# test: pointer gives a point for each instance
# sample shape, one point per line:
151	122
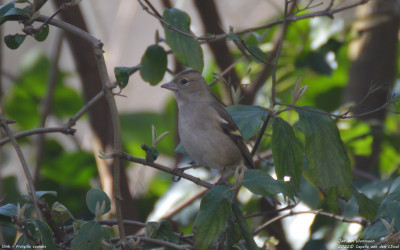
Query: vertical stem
25	167
48	100
246	231
278	52
107	89
274	82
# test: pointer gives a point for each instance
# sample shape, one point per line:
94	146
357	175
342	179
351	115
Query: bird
207	132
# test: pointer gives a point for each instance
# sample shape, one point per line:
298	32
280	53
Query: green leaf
257	53
328	166
368	207
151	153
94	196
391	203
8	10
248	118
72	169
14	41
44	234
154	64
39	194
89	236
22	242
61	212
42	34
122	74
375	231
8	210
6	7
162	231
261	183
233	234
213	217
23	100
287	152
187	50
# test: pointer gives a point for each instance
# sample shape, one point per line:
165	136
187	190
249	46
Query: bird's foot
177	173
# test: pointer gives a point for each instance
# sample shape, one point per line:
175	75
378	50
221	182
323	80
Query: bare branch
24	164
65	129
47	102
362	222
157	242
163	22
191	178
215	37
344	115
62	129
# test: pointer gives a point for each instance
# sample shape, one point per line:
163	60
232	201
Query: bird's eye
184	81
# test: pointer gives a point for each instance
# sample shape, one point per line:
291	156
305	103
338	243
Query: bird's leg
239	175
177	172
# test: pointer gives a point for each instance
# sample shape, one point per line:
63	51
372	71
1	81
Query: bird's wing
229	127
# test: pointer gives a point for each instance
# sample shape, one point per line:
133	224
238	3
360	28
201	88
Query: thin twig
61	129
24	164
362	222
172	171
340	116
211	38
157	242
31	30
163	22
184	204
71	29
260	135
58	233
112	222
277	55
48	100
65	129
226	71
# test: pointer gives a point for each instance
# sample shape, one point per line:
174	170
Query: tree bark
374	65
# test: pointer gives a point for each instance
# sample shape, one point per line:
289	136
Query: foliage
312	151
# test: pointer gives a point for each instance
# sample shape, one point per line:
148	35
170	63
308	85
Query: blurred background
340	59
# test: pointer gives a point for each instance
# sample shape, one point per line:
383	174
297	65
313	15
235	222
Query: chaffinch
206	130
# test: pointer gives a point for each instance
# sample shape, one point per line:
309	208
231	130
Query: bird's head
188	84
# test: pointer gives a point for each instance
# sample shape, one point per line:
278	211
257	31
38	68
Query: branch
71	29
97	46
163	22
47	102
65	129
260	135
25	167
59	234
184	204
362	222
172	171
215	37
117	151
344	115
113	222
157	242
62	129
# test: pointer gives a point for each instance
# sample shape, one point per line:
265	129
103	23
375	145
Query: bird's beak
170	86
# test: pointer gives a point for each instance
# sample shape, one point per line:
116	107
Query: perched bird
206	130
